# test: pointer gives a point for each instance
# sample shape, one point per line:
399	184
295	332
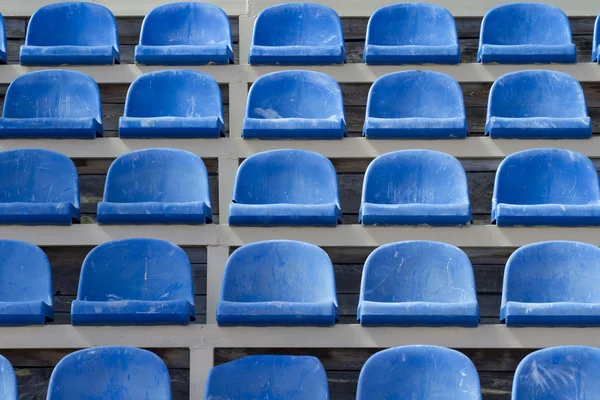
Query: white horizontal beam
340	336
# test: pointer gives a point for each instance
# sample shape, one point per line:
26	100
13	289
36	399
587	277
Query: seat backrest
174	93
419	270
53	94
72	24
565	372
412	24
37	176
416	94
596	39
25	273
415	177
286	177
295	94
8	380
157	175
298	24
136	269
186	23
546	176
279	270
525	23
418	372
110	373
2	35
268	377
536	93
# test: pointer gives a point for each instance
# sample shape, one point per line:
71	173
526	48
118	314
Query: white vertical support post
201	361
227	168
217	258
238	95
246	23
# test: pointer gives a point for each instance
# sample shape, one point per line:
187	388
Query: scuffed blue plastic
156	186
8	381
54	104
186	33
26	296
418	283
173	104
418	372
297	34
596	41
295	105
268	377
73	33
135	282
278	282
537	104
38	187
415	187
546	187
285	188
110	373
2	41
415	105
526	33
552	284
565	372
411	33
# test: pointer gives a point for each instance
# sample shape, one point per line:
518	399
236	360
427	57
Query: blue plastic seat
3	59
135	282
415	187
415	105
8	381
278	282
268	377
186	33
526	33
173	104
552	284
156	186
418	283
73	33
596	41
537	104
54	104
411	33
285	188
297	34
546	187
418	372
38	187
110	373
565	372
295	105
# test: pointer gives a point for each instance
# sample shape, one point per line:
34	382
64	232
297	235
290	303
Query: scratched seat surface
8	380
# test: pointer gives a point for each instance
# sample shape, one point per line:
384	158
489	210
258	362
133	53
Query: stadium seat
526	33
186	33
135	282
3	59
415	187
173	104
71	33
156	186
54	104
38	187
552	284
278	282
26	295
295	105
415	105
565	372
596	41
537	104
418	372
411	33
285	188
546	187
8	380
297	34
268	377
110	373
418	283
